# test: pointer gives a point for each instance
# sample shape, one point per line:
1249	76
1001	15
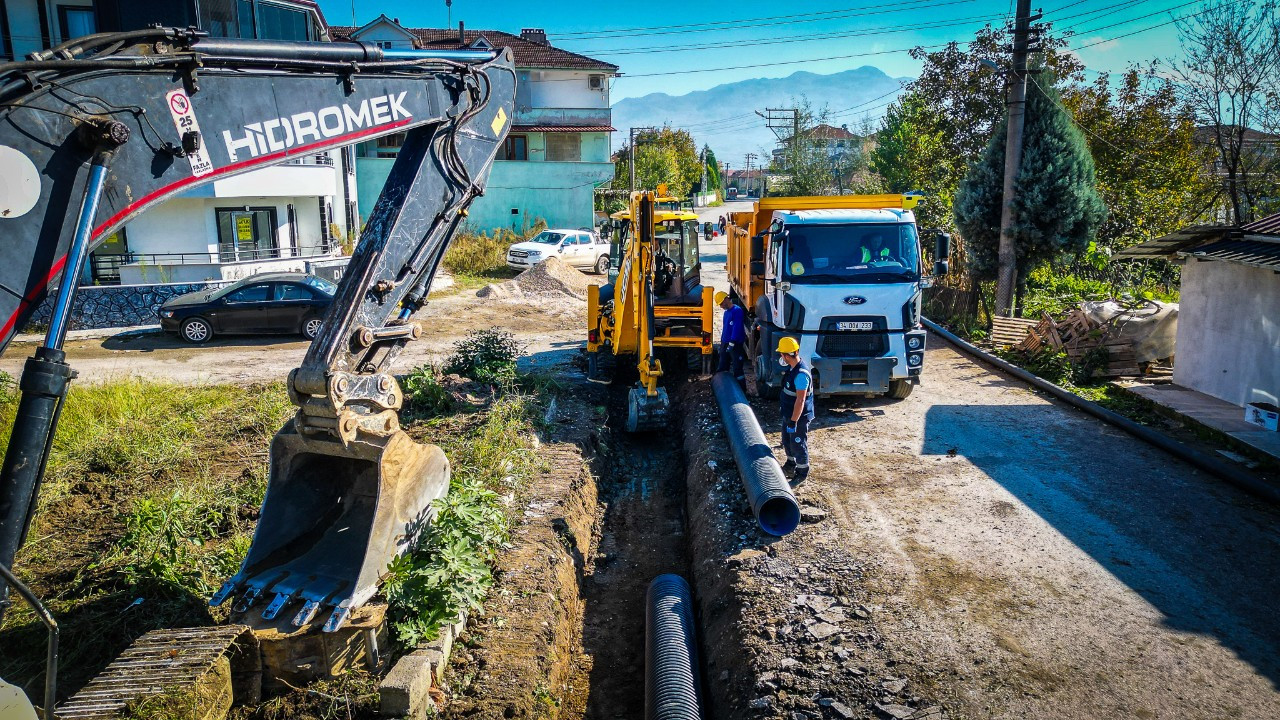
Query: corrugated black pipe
770	496
1231	474
672	690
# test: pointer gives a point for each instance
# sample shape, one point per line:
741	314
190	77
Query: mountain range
724	116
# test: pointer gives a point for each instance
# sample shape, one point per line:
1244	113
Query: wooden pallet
1010	331
200	663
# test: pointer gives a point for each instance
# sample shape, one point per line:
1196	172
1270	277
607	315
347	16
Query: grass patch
149	501
485	254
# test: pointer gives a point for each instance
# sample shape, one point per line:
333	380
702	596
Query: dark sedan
267	303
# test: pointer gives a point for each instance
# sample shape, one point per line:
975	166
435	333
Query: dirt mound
548	277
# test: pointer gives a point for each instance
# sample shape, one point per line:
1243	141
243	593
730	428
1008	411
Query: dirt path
549	325
1008	557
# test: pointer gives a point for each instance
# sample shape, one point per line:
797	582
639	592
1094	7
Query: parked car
285	303
582	249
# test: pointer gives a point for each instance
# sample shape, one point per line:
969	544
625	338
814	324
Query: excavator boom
98	130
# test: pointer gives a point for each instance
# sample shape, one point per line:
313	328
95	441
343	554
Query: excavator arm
98	130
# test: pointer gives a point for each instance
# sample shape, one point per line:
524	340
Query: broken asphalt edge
1239	478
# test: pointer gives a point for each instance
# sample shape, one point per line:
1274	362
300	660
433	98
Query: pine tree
1057	209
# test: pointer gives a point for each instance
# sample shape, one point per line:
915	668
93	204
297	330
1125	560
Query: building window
517	148
6	45
75	21
564	147
246	233
388	146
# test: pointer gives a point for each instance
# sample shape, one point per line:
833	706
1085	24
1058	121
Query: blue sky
648	41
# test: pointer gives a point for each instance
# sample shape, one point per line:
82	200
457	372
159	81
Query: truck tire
763	389
900	389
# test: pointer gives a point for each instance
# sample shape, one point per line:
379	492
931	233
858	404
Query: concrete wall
1229	331
111	306
565	89
24	27
190	225
559	192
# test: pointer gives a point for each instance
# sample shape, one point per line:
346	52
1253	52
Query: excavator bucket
332	518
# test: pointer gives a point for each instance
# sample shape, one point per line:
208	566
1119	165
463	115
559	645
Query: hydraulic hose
770	496
1239	478
672	690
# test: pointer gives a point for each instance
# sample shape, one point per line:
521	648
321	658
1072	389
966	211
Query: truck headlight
914	359
534	253
914	342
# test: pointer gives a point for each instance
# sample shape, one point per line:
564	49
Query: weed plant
486	356
485	254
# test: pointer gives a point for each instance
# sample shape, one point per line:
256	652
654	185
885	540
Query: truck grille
853	344
518	254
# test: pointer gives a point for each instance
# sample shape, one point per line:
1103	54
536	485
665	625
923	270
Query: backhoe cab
654	299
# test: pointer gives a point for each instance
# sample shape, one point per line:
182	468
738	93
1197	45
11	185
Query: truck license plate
853	325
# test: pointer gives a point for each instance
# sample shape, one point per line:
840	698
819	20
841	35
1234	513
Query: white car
581	249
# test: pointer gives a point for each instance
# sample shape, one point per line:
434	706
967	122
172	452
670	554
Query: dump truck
654	299
843	276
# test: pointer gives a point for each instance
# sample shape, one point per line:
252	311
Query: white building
277	218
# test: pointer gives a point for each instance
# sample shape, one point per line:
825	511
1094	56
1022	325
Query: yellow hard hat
721	296
788	345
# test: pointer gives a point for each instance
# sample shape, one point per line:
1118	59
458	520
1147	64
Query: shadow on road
161	341
1205	555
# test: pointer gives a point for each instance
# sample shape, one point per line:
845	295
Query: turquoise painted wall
558	192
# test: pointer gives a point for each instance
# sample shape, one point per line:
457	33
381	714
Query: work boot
788	466
800	474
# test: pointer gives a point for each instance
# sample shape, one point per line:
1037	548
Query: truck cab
842	276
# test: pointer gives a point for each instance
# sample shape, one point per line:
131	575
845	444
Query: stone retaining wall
107	306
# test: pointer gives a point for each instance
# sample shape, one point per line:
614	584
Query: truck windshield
851	253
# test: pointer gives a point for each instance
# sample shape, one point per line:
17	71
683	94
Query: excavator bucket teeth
333	518
645	413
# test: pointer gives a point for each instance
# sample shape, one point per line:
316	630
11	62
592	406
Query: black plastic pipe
770	496
1239	478
672	690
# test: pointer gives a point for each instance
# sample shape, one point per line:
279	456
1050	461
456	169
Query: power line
1134	19
790	19
1145	29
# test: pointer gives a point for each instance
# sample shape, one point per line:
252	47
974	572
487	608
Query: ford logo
854	300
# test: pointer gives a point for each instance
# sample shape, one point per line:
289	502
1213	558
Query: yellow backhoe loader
654	300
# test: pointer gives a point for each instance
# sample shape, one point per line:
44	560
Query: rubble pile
1119	341
549	277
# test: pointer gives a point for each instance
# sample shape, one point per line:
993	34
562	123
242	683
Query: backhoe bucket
333	519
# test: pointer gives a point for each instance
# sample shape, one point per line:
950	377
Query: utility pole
750	158
631	152
1007	272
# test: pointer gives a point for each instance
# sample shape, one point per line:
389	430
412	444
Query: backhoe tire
900	389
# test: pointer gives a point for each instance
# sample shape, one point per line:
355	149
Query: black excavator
97	130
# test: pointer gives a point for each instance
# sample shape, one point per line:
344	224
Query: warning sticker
184	118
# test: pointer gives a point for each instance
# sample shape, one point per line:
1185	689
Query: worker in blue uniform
733	337
796	406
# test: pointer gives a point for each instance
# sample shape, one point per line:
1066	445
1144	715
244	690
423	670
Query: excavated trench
564	635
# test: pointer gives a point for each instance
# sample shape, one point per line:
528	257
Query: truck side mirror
940	268
942	248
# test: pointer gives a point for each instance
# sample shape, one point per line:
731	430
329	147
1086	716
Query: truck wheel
763	389
602	265
900	389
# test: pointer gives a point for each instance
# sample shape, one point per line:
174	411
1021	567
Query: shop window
246	234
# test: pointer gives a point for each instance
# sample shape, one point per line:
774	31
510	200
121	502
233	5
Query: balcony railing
106	267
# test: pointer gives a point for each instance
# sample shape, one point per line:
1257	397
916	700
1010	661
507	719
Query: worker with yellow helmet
796	407
733	338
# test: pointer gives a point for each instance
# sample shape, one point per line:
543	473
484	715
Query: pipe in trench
1239	478
672	690
770	496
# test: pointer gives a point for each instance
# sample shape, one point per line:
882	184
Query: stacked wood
1081	339
1006	331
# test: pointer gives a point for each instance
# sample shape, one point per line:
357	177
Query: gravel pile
549	277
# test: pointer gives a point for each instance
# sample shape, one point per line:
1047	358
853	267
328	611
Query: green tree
806	163
715	183
942	121
667	155
1151	167
1057	209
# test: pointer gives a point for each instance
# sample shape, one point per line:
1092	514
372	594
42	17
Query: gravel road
1020	559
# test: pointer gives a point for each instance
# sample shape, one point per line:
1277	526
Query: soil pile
549	277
